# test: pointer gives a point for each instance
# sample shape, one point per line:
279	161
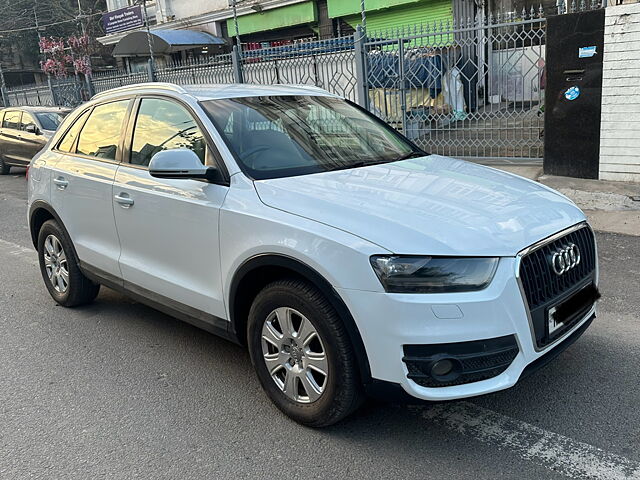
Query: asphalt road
118	390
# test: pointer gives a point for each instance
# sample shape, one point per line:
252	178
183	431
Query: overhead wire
40	27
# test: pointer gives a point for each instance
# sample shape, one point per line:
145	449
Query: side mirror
181	163
31	128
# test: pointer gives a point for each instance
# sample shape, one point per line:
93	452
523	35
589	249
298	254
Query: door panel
82	195
168	232
30	143
168	229
82	189
11	137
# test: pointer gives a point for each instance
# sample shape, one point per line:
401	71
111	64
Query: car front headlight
422	274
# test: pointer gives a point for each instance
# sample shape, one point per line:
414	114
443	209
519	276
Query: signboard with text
122	19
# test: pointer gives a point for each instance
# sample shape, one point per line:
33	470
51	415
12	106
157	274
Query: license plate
554	324
571	309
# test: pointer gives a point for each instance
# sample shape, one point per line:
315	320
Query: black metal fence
471	89
467	89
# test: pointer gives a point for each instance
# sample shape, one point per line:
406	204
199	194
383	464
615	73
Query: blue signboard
122	19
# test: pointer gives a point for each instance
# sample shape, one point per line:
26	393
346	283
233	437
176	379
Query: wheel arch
257	271
40	212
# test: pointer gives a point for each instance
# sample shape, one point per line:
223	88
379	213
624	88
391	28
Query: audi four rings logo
566	258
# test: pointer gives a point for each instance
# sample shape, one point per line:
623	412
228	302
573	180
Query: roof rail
144	86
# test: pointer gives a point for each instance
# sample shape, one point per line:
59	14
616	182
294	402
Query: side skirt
198	318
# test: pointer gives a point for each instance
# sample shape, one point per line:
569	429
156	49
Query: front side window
27	119
164	125
279	136
70	137
12	120
101	134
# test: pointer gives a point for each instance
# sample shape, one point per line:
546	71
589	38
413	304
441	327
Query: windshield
50	120
280	136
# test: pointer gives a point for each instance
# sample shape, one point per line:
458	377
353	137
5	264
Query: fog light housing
449	364
445	369
442	367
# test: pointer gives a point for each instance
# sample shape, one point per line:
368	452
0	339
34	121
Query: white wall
190	8
620	126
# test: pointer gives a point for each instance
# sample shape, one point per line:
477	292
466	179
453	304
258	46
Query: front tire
302	354
4	168
59	268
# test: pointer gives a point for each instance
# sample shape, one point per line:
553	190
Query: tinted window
11	120
50	120
27	119
164	125
281	136
67	141
101	134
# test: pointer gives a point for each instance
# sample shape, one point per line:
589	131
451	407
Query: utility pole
235	20
35	16
237	49
364	17
3	88
49	84
152	66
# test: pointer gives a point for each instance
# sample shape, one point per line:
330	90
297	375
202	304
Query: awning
165	42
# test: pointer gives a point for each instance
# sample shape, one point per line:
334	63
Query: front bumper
389	322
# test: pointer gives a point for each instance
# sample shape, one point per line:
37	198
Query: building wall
620	125
208	16
177	8
186	8
286	16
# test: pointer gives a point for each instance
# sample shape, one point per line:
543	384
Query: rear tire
302	354
4	168
59	268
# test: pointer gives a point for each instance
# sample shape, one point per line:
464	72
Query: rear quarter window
69	138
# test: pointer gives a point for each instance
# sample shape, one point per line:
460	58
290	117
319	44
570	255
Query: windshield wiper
369	163
411	154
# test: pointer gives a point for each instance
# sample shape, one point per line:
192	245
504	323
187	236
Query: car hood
430	205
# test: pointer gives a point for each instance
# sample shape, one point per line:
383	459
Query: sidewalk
610	206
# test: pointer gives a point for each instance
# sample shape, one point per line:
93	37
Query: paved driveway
118	390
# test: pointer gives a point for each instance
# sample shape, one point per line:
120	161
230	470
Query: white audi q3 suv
292	221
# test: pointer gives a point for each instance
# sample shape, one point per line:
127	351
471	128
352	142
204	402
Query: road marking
559	453
10	249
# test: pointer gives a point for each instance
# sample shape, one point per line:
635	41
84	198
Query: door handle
61	183
124	200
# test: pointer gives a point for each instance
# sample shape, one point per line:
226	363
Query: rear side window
164	125
12	120
70	137
100	136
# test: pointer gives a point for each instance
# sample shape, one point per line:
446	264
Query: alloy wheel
294	355
55	263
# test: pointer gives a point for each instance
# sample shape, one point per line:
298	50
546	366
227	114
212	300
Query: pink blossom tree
61	56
